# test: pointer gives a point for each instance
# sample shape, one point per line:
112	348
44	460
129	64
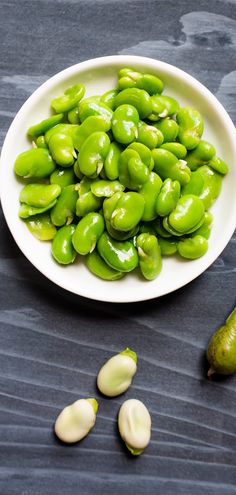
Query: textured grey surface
53	343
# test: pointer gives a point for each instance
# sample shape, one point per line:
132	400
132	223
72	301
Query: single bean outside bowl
98	76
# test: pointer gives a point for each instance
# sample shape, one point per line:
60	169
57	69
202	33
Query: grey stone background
52	343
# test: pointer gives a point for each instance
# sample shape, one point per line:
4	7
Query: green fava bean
146	228
201	155
144	153
87	233
187	214
36	163
85	185
163	106
190	127
62	149
138	98
77	171
128	211
41	227
111	164
90	125
219	165
205	183
192	247
94	106
150	191
39	195
26	211
167	246
124	124
99	267
43	126
149	253
159	229
128	78
205	229
168	197
149	135
41	142
121	256
73	116
133	173
62	247
87	203
109	98
69	99
169	129
93	154
106	188
177	149
65	129
63	177
121	235
64	210
167	165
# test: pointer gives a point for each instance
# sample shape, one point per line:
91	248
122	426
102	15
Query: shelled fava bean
122	179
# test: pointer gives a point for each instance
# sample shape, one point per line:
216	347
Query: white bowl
100	75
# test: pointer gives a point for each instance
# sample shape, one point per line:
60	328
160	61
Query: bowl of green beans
118	178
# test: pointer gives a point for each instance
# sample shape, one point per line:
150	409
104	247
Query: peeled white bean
117	373
134	424
76	420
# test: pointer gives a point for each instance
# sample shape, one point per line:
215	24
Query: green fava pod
121	256
187	214
87	233
190	127
93	153
36	163
62	248
149	252
99	267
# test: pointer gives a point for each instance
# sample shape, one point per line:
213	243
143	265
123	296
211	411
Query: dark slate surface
53	343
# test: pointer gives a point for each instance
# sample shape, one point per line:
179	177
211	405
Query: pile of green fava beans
122	178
